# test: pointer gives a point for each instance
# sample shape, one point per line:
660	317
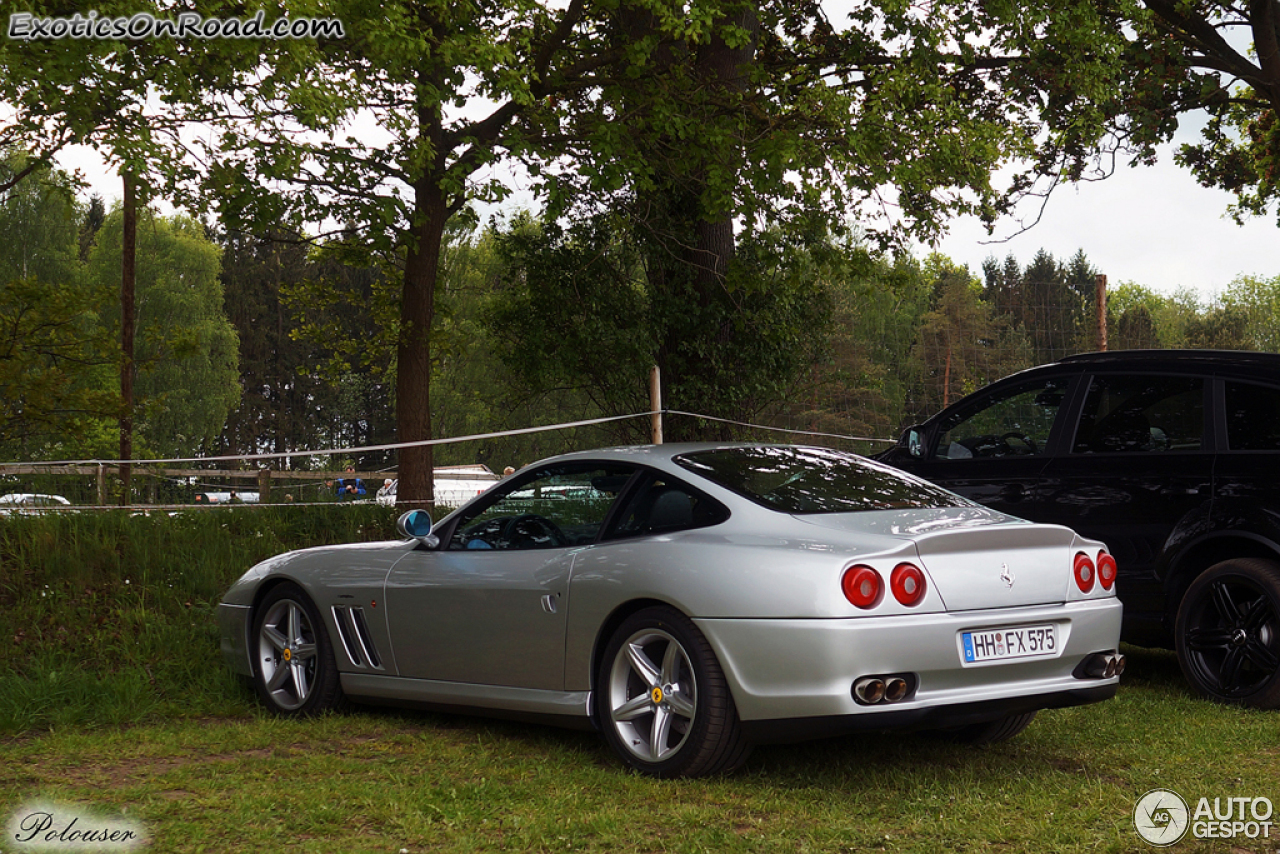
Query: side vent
356	640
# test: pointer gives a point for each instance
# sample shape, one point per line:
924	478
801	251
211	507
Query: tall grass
109	617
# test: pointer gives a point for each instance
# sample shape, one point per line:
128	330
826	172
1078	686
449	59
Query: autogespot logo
1162	817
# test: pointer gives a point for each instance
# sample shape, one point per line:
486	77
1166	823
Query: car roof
651	454
1181	359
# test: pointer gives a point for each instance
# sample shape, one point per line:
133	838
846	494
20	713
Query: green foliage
102	611
54	353
577	310
963	342
1051	302
1258	300
186	350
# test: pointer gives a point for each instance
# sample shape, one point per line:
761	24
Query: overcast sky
1151	225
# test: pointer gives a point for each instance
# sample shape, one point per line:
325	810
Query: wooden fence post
655	405
1101	282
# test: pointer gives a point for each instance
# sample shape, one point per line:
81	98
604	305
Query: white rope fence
445	441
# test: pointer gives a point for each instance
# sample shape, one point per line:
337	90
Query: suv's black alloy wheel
1228	633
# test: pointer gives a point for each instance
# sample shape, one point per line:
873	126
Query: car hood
976	558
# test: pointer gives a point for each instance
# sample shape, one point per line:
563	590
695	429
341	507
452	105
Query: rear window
1253	417
815	480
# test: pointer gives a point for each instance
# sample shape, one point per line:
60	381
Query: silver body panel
521	630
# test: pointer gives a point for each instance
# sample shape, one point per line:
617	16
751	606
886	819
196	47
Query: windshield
815	480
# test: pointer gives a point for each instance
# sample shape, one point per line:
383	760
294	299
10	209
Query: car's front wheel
294	670
1228	633
662	699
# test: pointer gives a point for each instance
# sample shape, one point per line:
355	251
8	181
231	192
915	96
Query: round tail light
862	586
1084	572
1106	570
907	584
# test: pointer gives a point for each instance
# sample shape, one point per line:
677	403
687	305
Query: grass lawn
187	755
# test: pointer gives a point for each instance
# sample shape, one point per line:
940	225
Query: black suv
1170	457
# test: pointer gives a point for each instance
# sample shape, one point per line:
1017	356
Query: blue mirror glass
415	524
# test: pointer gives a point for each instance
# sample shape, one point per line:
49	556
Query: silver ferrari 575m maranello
692	600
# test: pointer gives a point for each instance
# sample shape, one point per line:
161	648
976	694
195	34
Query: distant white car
30	502
448	492
225	497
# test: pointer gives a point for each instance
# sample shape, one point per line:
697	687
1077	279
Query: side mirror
913	438
416	525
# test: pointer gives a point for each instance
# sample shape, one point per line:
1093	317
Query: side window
1253	417
1015	422
664	504
1140	413
561	506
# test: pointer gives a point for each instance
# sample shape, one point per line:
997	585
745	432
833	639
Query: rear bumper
937	717
792	670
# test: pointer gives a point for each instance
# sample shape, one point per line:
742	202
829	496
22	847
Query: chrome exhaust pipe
1101	665
869	690
895	690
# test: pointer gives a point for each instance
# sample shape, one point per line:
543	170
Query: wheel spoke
1257	614
634	708
1225	604
1202	639
304	651
1229	676
641	664
273	636
659	734
1261	656
671	661
680	703
278	677
300	682
295	623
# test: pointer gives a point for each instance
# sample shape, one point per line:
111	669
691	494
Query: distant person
234	498
350	487
508	471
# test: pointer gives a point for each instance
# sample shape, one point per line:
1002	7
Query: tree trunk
413	353
128	268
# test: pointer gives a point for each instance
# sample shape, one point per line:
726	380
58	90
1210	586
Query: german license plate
1009	644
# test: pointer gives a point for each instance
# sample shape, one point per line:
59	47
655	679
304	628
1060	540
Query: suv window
1253	417
1141	413
1015	422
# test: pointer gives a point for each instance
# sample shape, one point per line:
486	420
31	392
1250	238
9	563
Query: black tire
1227	633
662	699
294	671
992	732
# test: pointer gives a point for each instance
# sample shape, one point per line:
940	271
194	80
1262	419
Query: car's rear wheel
662	699
992	732
1228	633
294	670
